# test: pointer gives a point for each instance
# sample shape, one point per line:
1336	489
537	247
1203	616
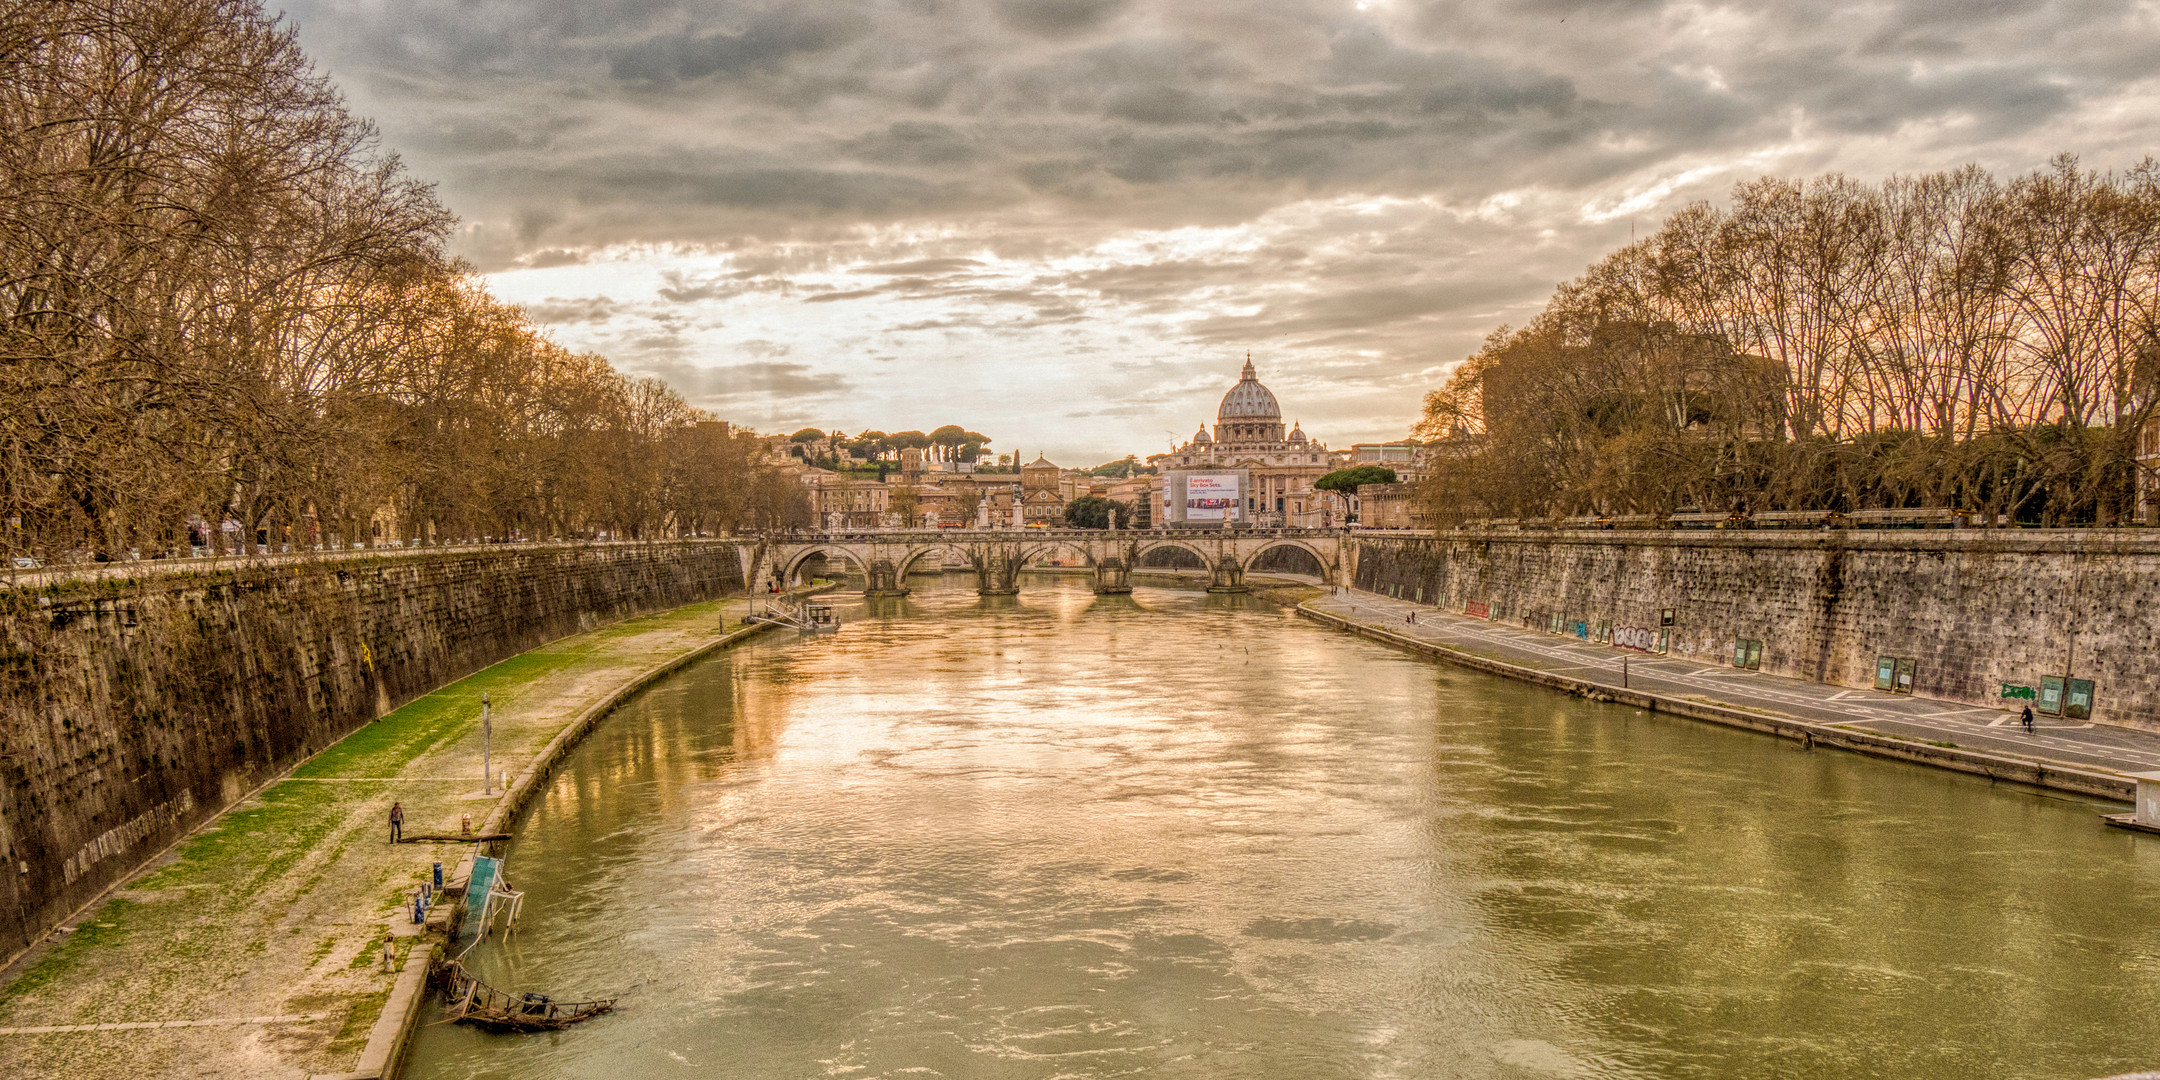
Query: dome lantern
1249	402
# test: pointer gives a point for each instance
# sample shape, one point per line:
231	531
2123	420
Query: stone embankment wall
1974	608
133	709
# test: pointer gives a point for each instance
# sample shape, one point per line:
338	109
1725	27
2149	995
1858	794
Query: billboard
1213	496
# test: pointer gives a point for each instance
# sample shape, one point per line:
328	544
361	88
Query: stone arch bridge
886	557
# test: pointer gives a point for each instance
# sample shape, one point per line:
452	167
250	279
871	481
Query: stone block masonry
1973	609
131	710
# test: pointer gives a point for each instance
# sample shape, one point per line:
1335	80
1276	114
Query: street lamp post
487	778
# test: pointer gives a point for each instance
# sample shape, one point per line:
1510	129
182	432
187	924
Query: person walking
2025	718
397	821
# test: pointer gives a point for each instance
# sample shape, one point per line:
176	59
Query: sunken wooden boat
471	1001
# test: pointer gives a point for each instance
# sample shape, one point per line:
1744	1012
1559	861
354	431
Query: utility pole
487	778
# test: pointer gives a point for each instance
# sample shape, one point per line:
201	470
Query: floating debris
474	1002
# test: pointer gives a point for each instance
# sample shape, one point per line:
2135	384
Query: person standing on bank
397	821
2025	718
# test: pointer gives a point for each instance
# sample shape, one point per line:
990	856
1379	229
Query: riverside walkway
2088	747
253	948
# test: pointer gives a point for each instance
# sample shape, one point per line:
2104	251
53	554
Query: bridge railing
260	556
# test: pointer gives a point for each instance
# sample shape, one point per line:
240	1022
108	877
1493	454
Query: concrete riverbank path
254	947
2100	748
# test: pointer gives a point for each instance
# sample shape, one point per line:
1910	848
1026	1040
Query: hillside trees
222	305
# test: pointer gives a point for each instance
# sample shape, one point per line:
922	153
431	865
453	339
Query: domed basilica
1282	465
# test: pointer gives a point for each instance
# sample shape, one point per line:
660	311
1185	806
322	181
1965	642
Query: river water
1177	835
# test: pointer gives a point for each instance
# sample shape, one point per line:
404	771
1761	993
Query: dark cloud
728	386
682	289
913	142
1376	308
923	267
546	257
569	310
1056	18
642	121
766	43
1411	173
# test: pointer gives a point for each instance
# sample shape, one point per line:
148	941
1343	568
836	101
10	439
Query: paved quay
2073	744
253	947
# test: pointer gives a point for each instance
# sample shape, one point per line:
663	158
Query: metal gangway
807	617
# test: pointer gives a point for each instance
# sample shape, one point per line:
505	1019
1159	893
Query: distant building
851	504
1044	491
1139	492
1407	458
1391	506
1275	468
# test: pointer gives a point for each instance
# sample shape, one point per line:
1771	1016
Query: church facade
1279	466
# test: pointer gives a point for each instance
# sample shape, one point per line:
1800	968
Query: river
1181	835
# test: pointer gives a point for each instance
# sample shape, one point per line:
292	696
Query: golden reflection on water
1174	834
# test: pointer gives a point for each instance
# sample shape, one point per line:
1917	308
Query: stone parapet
133	709
1975	610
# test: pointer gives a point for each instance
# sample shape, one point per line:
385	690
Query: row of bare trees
1947	340
226	316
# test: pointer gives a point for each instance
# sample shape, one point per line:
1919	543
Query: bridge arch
1031	550
1319	558
794	562
1140	557
916	554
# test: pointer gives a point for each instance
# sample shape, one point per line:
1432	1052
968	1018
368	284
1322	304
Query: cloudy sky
1064	222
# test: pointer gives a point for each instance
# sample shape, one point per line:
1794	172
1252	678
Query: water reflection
1178	834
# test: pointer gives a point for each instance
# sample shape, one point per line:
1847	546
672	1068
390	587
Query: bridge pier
1112	577
997	569
883	579
1228	575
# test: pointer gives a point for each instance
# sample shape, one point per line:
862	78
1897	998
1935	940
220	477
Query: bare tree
1935	340
227	318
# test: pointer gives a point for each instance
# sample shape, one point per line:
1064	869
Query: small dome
1248	401
1297	434
1202	436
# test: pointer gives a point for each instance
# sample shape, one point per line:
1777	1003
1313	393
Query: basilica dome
1248	402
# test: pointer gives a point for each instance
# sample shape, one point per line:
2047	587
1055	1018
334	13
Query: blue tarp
476	892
